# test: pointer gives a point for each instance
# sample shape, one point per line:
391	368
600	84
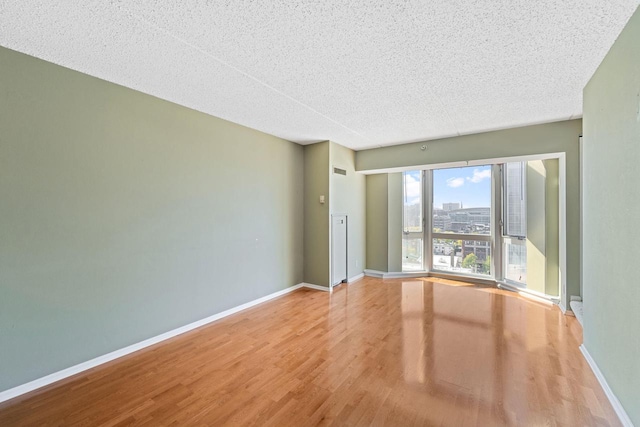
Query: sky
469	185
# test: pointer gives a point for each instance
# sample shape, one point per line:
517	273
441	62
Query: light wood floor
393	352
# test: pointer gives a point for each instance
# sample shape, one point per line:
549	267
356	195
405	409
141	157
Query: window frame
405	231
493	238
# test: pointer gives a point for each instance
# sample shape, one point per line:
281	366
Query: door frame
346	218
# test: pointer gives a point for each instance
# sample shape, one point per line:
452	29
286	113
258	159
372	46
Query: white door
338	249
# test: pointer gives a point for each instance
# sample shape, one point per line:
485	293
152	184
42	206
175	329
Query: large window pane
412	253
462	256
412	202
412	221
462	200
515	260
515	208
514	217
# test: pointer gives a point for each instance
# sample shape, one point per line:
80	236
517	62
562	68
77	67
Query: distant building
452	206
441	220
442	248
481	249
412	218
467	220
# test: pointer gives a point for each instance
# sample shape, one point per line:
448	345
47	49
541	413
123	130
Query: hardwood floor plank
375	352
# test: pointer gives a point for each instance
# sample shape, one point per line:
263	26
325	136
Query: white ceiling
360	73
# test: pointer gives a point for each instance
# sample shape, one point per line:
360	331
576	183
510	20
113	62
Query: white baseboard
354	278
461	278
536	296
402	275
373	273
576	307
316	287
617	406
394	274
566	311
81	367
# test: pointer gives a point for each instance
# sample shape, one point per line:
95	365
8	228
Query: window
514	226
412	221
449	218
462	256
515	208
515	260
462	200
461	232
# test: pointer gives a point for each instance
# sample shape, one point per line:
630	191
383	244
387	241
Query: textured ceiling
361	73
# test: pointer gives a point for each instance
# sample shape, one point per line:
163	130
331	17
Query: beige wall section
384	222
123	216
552	229
611	210
394	228
348	196
377	222
529	140
317	223
536	226
343	195
543	226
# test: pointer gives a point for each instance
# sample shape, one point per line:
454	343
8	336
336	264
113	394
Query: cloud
479	175
455	182
412	186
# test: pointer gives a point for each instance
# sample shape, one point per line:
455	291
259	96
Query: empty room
319	213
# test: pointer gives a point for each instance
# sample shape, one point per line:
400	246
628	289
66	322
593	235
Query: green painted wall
543	227
377	218
529	140
343	195
536	226
610	213
317	223
123	216
552	237
394	229
348	196
384	222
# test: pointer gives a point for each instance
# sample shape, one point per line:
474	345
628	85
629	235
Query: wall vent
339	171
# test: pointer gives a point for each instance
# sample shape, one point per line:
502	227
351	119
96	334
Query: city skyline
470	186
